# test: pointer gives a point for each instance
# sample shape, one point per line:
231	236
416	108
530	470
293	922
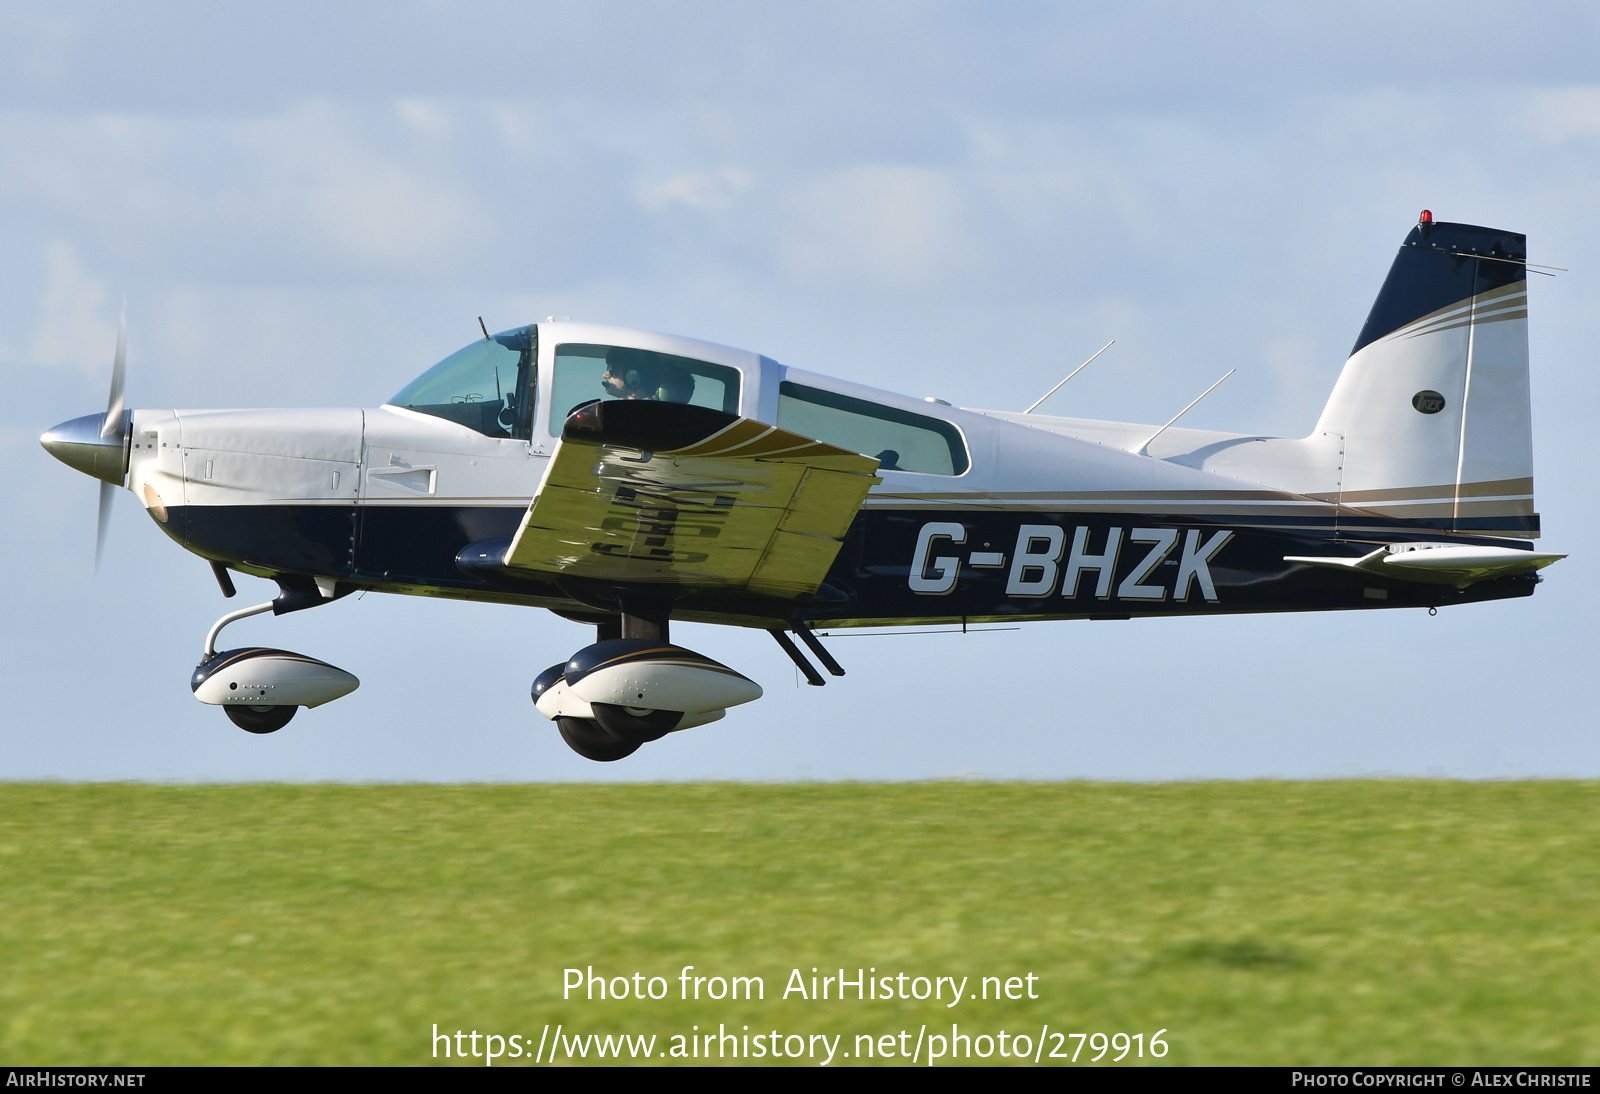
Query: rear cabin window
585	373
901	440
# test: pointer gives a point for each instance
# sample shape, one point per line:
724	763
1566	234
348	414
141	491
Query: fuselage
979	516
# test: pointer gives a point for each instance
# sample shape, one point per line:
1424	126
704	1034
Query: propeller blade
113	423
107	492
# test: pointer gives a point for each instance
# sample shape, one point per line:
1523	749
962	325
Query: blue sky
308	204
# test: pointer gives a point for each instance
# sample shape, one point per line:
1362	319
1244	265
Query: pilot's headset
633	368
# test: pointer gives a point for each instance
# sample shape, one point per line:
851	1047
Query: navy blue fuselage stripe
398	546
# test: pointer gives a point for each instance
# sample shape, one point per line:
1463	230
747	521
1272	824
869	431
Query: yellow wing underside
751	507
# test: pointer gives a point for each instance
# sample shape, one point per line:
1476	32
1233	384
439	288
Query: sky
308	204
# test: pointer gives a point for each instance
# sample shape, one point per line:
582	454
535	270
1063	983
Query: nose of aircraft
85	444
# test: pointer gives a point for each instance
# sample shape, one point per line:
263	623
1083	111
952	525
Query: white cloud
318	188
1557	115
323	173
897	226
77	326
380	212
426	116
40	48
714	189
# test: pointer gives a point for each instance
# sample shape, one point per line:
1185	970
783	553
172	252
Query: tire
589	739
259	721
644	728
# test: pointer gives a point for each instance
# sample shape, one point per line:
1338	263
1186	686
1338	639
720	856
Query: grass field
1332	922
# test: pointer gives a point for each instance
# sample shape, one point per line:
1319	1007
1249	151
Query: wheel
592	741
269	720
652	725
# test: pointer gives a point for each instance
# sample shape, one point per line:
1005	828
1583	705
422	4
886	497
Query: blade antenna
1142	450
1069	376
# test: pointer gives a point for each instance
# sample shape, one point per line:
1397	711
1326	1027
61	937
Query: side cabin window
585	373
488	386
901	440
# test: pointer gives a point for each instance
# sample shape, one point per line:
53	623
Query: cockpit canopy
487	386
490	385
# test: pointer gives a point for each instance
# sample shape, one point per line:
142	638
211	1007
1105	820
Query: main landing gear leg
646	617
616	731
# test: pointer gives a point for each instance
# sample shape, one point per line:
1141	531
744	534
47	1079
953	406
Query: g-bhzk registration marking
1037	571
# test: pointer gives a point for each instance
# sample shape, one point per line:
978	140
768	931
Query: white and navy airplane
626	479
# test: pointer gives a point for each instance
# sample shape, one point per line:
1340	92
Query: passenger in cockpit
640	374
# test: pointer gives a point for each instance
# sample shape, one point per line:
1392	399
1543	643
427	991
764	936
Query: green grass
1310	923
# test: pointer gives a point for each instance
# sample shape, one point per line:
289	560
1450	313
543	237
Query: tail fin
1433	401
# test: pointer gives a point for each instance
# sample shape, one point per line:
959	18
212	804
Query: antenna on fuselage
1142	449
483	328
1069	376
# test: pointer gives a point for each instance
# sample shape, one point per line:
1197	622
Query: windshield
487	386
585	373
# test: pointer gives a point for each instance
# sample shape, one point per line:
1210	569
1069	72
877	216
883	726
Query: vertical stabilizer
1433	402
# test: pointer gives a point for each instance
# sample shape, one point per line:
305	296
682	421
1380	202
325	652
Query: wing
668	494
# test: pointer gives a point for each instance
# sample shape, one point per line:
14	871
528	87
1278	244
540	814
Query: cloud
1558	115
38	48
350	192
896	226
714	189
319	189
426	116
76	328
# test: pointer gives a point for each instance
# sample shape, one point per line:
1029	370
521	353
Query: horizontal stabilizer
1455	564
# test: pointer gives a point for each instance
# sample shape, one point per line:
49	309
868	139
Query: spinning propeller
97	444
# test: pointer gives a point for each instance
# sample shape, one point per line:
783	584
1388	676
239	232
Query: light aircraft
626	479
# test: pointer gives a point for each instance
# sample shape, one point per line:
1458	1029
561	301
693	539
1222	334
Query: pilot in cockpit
640	374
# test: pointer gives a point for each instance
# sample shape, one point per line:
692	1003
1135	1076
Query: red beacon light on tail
1426	217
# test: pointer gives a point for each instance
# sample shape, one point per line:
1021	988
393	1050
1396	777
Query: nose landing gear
260	689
